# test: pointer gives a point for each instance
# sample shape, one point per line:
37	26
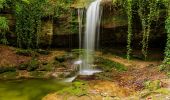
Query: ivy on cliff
167	26
129	36
3	28
148	10
28	22
3	24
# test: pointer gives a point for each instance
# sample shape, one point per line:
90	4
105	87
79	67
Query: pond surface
30	89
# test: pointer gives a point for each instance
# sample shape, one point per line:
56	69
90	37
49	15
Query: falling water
80	20
92	22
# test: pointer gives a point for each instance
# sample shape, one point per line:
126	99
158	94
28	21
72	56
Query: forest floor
142	80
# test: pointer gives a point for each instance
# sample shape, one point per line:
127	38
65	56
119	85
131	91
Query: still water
30	89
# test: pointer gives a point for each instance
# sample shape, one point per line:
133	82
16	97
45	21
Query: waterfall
80	20
91	28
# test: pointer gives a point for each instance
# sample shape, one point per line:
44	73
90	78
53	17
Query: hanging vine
167	26
129	36
147	11
3	24
3	28
28	22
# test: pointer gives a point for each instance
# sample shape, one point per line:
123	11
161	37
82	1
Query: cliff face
62	29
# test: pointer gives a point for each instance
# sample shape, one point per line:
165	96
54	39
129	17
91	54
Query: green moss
77	88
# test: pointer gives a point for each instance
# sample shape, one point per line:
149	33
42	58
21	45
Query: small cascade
93	17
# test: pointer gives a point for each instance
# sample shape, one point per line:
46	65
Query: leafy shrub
3	28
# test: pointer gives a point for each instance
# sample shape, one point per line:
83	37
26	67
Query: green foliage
3	23
30	52
62	7
148	10
129	13
2	2
28	22
167	26
166	63
3	28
